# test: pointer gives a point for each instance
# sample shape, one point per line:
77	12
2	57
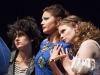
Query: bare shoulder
89	47
88	42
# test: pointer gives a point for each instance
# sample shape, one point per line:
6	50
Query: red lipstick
43	27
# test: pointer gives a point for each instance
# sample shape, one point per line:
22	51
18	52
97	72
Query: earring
32	40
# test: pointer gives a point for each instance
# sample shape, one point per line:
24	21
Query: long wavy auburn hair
85	30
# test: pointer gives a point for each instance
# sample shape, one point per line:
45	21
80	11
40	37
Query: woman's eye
46	18
62	31
21	34
14	37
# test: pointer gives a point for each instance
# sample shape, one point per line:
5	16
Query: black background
10	10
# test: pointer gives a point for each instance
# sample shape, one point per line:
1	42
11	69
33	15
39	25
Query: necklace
45	46
19	59
48	45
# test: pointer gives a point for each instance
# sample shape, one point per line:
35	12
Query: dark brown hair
57	10
27	25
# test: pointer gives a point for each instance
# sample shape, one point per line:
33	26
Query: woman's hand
56	53
65	60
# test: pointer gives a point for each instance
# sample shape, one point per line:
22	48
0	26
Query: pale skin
23	44
86	50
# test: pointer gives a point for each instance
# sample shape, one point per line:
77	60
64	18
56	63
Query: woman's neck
26	53
53	37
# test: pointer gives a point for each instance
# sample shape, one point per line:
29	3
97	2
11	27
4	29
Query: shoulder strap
97	44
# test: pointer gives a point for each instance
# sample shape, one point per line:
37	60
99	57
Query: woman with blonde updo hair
51	16
85	38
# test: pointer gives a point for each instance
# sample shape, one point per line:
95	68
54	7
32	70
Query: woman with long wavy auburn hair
85	38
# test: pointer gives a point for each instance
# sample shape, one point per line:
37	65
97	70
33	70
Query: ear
75	26
59	19
32	40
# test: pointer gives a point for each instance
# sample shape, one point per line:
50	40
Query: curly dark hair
85	30
27	25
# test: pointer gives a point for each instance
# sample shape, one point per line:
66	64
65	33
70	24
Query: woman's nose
42	23
61	36
17	38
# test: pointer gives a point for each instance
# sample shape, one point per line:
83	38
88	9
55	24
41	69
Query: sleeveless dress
96	71
84	67
41	60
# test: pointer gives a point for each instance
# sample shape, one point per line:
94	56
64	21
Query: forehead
45	14
19	32
62	27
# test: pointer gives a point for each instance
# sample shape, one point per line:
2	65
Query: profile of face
21	40
67	33
48	23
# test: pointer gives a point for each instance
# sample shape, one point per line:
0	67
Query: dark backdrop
10	10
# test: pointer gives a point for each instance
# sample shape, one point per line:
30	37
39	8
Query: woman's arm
66	62
54	68
53	58
58	53
88	49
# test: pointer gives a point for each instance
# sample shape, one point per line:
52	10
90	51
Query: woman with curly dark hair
85	38
25	37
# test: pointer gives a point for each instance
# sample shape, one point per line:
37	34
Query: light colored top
19	71
88	49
